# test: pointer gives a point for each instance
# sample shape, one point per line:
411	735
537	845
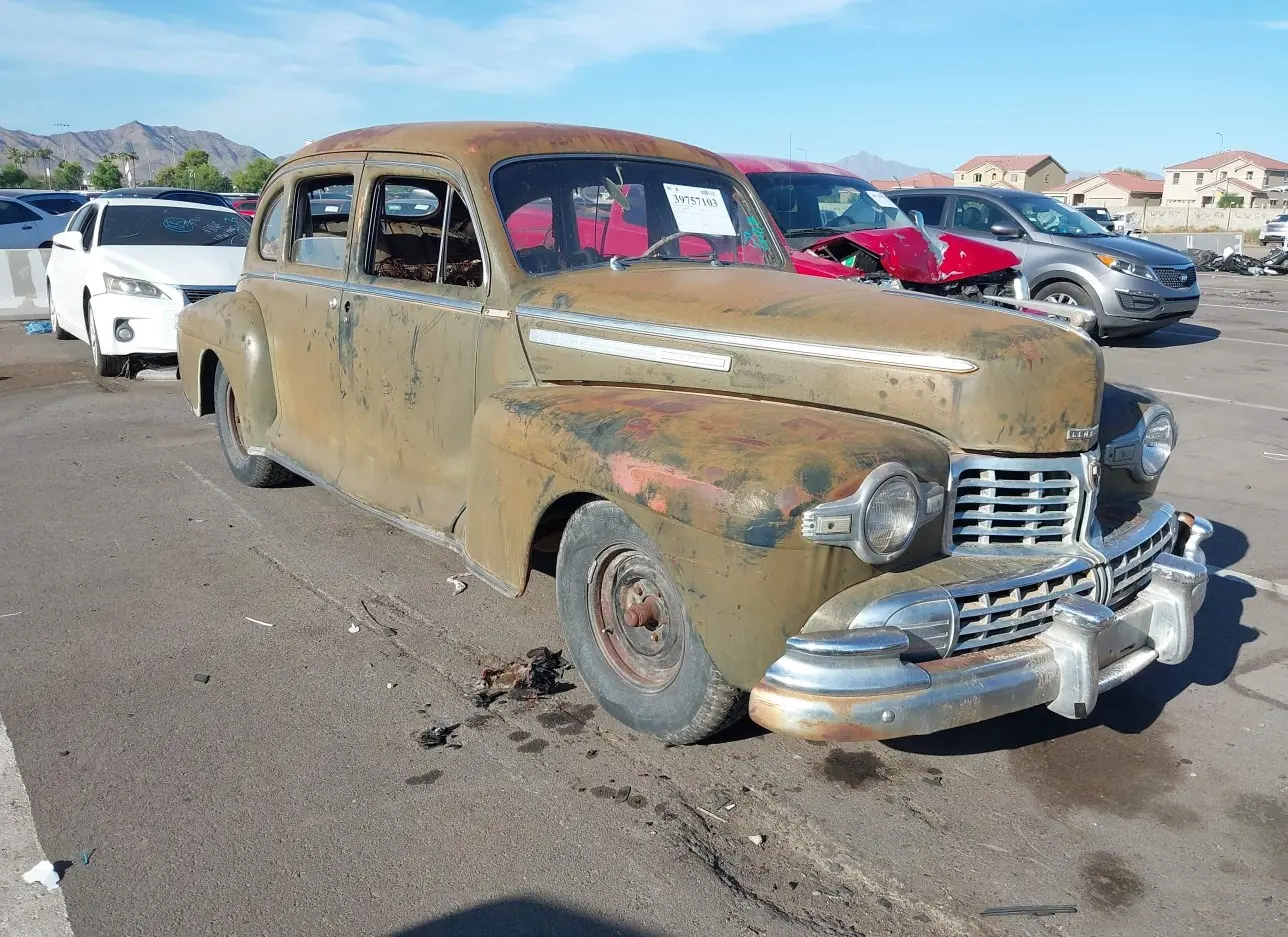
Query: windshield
809	203
568	212
1052	217
172	226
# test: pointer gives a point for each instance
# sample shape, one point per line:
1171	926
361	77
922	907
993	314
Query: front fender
229	328
718	482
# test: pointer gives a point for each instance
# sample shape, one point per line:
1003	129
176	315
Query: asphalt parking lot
289	795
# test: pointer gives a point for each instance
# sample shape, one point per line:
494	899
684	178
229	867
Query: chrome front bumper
853	685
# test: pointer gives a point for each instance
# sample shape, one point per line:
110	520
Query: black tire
60	333
1062	291
104	365
672	690
254	471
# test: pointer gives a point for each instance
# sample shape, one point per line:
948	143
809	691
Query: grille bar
1017	609
1010	502
192	294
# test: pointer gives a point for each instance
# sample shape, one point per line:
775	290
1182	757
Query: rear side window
270	230
322	213
15	213
56	206
930	206
463	264
87	226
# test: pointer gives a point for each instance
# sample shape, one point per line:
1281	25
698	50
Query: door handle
26	227
333	302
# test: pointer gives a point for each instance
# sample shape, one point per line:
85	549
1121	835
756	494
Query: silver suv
1133	286
1276	229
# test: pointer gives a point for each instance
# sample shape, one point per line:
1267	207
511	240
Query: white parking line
28	909
1237	403
1223	338
1265	585
1246	308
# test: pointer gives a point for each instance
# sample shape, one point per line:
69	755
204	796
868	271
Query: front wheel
255	471
104	365
1070	294
629	633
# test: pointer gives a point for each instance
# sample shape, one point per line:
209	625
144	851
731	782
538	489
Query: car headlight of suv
879	520
1128	267
132	287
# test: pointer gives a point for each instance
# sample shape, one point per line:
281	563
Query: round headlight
891	515
1156	447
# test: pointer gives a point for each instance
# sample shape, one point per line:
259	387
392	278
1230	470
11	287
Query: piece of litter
390	686
354	628
714	816
40	328
1033	910
536	674
256	621
201	677
10	614
42	872
729	806
435	736
757	839
457	585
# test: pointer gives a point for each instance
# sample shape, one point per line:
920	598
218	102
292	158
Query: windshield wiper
227	237
811	232
621	262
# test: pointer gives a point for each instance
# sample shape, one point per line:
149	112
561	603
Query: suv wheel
1071	294
629	633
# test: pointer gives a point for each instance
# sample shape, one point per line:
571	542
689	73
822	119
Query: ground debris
1032	910
437	735
538	673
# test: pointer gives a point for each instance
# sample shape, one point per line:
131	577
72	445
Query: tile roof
1008	163
1216	160
1126	181
1223	183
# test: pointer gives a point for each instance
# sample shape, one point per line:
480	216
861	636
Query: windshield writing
177	226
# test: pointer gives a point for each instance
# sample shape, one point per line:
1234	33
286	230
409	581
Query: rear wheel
1071	294
255	471
629	633
104	365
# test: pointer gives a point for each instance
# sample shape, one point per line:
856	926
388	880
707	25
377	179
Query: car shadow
1172	336
522	916
1219	638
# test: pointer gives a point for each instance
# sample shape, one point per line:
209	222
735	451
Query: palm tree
128	158
16	155
44	154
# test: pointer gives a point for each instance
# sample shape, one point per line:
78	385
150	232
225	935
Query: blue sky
1098	84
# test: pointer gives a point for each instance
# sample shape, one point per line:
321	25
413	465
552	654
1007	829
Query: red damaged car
841	226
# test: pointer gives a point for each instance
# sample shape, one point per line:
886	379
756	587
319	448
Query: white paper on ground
42	872
698	210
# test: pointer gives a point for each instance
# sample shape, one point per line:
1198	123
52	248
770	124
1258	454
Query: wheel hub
630	596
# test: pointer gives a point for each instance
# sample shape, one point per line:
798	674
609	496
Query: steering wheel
659	244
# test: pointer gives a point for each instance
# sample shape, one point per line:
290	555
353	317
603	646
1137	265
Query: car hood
178	266
1137	249
984	378
907	254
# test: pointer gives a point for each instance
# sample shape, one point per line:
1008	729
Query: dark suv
1133	286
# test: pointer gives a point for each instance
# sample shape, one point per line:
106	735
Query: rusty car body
873	513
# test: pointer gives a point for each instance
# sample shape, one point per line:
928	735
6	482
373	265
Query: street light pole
1222	138
62	150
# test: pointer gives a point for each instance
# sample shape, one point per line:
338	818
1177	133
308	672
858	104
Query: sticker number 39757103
699	210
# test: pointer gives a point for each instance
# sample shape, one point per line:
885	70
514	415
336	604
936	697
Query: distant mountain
876	167
158	146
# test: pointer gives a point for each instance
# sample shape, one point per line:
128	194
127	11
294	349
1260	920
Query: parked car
124	268
880	513
830	215
1134	286
1276	229
49	202
245	206
1100	216
24	226
171	195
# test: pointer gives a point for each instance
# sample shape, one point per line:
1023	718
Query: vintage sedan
872	513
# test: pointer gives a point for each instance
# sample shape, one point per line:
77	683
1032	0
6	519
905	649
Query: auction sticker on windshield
699	210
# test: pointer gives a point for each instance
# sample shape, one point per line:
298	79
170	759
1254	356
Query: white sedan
24	226
124	268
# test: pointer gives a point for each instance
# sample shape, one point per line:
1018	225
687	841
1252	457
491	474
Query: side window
322	208
56	206
270	231
532	225
975	214
14	213
74	223
87	226
463	264
930	206
408	233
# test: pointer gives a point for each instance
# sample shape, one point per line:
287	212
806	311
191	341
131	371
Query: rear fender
718	483
228	329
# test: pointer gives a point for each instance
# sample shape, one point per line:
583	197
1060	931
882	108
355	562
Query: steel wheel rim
647	654
232	417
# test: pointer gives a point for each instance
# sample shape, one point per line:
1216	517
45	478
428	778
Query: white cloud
1278	24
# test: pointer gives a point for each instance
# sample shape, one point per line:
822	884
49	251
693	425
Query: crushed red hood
907	255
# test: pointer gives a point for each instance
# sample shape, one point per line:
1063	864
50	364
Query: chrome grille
1130	570
1017	608
192	294
1013	502
1175	278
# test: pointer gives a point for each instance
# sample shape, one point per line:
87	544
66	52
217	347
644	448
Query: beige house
1032	173
1257	180
922	180
1115	190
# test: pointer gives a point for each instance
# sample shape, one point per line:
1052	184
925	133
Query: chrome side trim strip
422	531
297	278
898	359
447	302
632	350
